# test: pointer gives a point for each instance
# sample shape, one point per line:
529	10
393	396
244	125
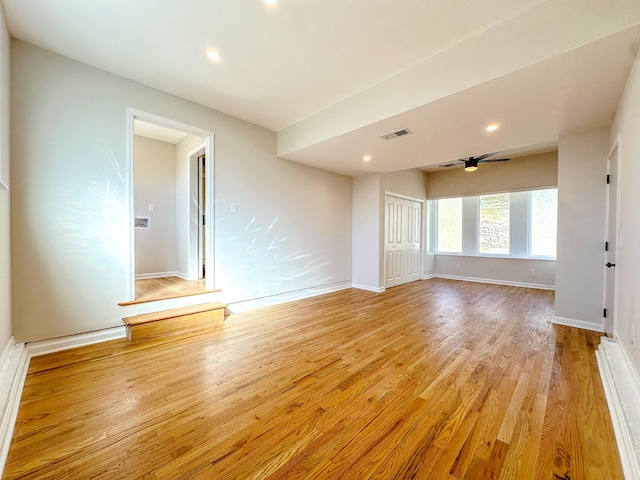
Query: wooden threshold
177	321
166	297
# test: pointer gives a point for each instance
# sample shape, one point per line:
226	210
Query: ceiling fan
471	163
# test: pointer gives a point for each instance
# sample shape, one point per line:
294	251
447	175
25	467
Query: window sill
477	255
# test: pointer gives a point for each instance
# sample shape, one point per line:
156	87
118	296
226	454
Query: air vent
397	133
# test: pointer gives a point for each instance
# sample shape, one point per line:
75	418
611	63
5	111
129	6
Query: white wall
70	210
582	168
514	271
187	219
366	232
627	124
5	229
155	184
524	173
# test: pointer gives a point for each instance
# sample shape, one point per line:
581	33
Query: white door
611	245
403	227
202	196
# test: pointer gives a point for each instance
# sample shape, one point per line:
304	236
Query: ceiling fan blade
448	165
494	160
482	157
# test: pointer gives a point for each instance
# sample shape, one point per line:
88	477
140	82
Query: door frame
194	248
134	114
615	148
202	222
422	202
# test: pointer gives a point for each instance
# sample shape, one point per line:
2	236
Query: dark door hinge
608	179
604	314
606	246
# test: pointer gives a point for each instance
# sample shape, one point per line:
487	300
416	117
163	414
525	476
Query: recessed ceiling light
492	128
214	55
270	2
366	158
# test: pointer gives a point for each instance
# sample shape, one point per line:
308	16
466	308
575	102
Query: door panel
612	245
402	248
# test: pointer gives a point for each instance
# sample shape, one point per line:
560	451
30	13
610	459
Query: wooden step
177	321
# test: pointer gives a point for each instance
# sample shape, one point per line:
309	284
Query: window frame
520	226
436	238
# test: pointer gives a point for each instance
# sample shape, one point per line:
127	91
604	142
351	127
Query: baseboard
428	277
144	276
622	390
492	281
243	306
571	322
15	362
368	288
64	343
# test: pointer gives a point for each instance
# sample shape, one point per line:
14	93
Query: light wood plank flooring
432	380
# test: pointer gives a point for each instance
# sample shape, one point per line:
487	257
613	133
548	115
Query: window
518	224
494	231
544	222
450	225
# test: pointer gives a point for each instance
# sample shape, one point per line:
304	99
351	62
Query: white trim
142	276
129	198
429	276
612	309
488	255
194	264
44	347
404	197
572	322
13	374
492	281
245	305
622	390
368	288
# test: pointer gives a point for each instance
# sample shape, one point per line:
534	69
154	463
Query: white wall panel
582	168
627	126
5	228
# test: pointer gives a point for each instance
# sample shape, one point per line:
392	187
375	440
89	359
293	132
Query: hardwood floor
432	380
153	289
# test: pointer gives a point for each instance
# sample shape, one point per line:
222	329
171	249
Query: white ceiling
332	76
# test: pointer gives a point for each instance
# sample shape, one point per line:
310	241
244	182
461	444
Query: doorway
611	241
171	217
403	233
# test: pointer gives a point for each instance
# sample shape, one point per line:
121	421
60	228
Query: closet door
403	227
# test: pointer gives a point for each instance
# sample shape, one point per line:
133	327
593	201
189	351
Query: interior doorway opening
171	172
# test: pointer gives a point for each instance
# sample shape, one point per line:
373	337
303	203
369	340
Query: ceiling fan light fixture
471	165
492	128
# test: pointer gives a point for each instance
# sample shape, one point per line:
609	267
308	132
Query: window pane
450	225
494	223
544	222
